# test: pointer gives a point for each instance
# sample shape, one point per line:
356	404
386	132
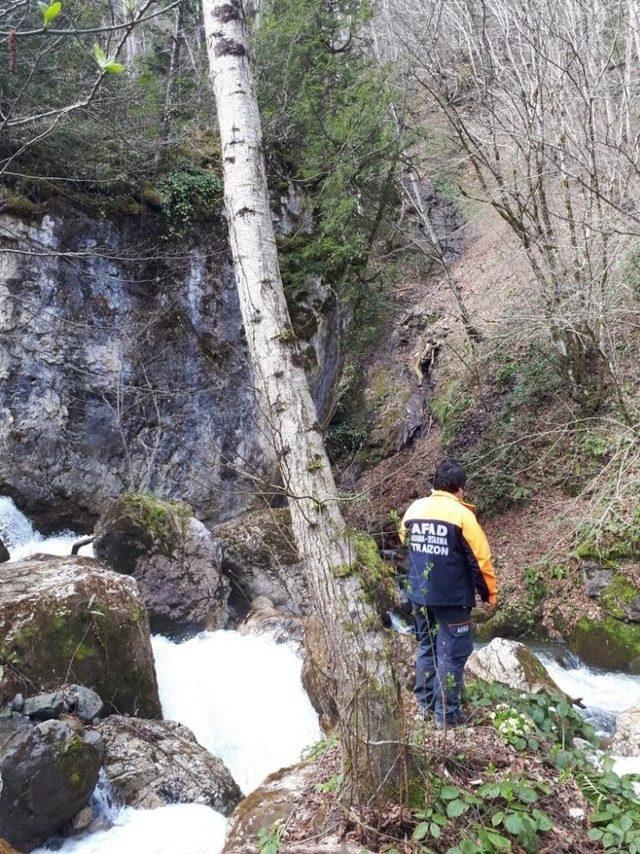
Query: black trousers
445	642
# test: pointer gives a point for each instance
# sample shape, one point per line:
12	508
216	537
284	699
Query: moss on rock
70	619
515	619
608	643
621	599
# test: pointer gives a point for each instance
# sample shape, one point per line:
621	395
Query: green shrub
186	193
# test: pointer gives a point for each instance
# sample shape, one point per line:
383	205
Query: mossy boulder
172	556
606	642
70	619
512	664
48	772
621	599
514	619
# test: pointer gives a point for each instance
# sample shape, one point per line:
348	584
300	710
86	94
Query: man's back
449	556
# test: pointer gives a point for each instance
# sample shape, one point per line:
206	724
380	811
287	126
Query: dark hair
449	477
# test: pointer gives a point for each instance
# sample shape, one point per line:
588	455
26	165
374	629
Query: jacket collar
442	493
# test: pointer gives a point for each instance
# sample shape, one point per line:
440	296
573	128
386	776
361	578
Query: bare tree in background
366	688
543	100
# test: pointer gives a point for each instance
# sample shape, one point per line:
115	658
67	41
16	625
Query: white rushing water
22	539
174	829
605	690
242	697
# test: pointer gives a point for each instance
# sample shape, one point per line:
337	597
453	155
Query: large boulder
259	557
626	739
172	556
273	801
48	772
153	763
512	664
69	619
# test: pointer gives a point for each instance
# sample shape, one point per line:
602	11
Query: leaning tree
365	688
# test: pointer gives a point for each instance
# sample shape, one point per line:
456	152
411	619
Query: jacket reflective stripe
447	573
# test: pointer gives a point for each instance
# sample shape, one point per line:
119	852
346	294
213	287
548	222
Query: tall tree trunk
366	690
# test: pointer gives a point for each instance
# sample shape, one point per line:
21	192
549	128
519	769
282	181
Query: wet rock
284	628
172	556
510	663
4	553
83	702
83	820
259	557
164	338
43	707
275	800
17	704
595	577
626	739
48	774
70	618
152	763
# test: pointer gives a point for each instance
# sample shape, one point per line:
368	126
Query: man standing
449	562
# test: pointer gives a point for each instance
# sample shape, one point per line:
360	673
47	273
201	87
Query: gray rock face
48	773
70	618
83	702
152	763
123	371
172	556
260	559
510	663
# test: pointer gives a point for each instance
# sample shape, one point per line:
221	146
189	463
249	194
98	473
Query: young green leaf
449	793
421	831
49	11
114	68
513	824
99	55
456	808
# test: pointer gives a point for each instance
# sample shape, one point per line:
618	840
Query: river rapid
243	699
241	696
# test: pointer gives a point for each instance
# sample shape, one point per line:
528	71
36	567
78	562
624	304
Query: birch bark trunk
366	690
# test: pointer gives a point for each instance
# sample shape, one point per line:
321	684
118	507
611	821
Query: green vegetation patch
620	597
161	519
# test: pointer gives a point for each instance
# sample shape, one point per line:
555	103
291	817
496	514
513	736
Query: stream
241	696
243	699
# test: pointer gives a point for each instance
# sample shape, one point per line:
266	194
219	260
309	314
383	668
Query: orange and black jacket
449	556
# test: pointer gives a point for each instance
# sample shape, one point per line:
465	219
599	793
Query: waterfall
23	540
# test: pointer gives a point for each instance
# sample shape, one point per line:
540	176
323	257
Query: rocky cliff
123	367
